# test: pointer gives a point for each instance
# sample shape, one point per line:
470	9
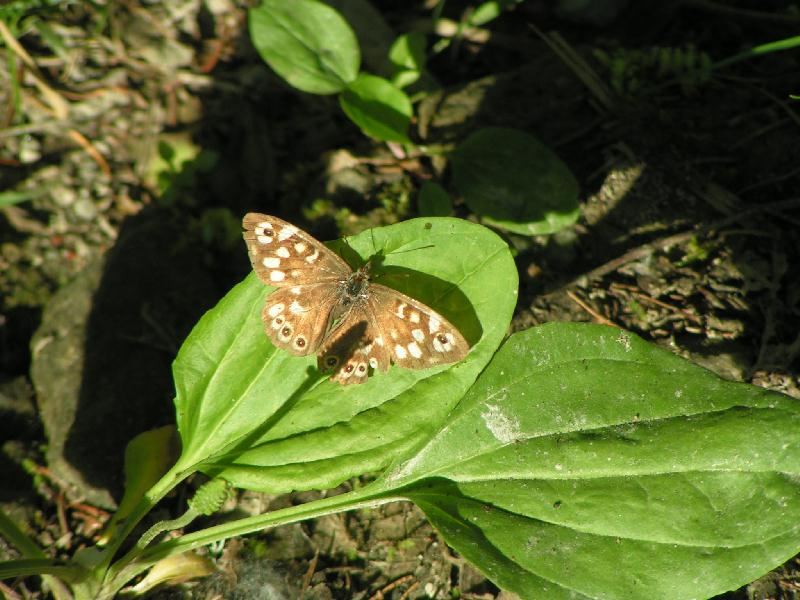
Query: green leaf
15	197
514	182
307	43
490	10
380	109
407	58
147	457
434	200
587	463
263	419
485	12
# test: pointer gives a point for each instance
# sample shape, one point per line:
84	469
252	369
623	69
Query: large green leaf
585	462
266	420
307	43
378	107
515	182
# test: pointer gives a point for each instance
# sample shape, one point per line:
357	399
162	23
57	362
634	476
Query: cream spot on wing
277	276
393	334
379	340
373	362
400	352
276	309
433	324
277	322
295	273
287	232
400	311
313	256
300	247
295	290
414	350
295	308
271	262
417	334
263	239
265	225
414	316
283	252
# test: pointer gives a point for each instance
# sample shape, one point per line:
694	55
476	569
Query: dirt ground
135	135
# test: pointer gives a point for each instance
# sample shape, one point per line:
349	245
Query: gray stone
101	359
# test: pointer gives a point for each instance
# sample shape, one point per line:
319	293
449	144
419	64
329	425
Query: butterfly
323	306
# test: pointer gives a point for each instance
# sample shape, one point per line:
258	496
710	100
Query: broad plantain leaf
307	43
263	419
587	463
515	182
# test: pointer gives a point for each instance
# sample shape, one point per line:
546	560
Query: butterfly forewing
415	335
297	316
283	255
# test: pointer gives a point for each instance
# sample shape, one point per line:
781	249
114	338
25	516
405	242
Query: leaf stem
137	561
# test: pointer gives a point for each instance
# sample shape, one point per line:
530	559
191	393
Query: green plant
630	71
312	47
575	461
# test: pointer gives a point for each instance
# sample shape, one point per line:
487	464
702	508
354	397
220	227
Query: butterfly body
322	306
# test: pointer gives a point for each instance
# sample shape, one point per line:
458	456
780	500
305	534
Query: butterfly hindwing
284	255
352	350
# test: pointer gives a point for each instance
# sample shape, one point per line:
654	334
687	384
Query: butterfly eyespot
300	342
278	322
362	368
286	333
349	369
331	362
442	338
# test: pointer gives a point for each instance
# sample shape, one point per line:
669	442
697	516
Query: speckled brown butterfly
323	306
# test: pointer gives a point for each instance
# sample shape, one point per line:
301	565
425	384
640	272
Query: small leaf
175	569
13	197
266	420
514	182
485	12
490	10
147	457
380	109
307	43
434	201
587	463
407	58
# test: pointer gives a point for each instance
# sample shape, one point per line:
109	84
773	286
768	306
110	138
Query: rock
102	356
